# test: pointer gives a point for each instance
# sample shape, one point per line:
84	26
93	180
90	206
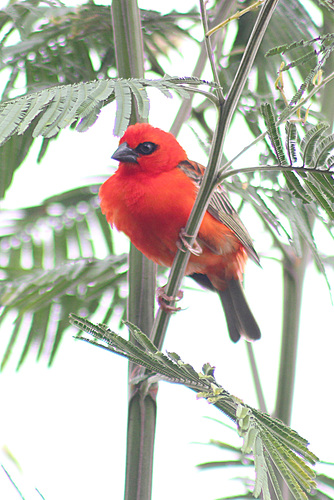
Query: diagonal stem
225	112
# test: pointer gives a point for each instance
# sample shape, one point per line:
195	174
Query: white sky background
66	426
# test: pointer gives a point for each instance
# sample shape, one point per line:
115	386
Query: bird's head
149	149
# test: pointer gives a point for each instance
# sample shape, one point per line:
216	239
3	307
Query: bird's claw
163	298
195	248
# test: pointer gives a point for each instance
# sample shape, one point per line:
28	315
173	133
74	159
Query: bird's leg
163	298
195	248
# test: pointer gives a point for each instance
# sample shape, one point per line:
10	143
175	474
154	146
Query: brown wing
221	208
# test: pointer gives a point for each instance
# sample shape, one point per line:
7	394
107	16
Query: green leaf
12	153
325	182
291	141
267	112
323	148
321	197
293	182
123	110
282	49
144	341
142	100
310	140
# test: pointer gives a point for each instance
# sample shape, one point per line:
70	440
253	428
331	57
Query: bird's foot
163	300
195	248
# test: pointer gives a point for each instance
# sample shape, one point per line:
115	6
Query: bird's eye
146	148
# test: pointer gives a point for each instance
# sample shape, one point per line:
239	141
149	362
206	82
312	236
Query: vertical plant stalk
141	277
293	276
294	270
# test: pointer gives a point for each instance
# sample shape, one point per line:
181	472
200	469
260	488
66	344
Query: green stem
256	377
294	270
293	276
125	16
265	168
182	257
140	443
141	277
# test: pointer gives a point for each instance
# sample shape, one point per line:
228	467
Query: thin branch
209	49
11	480
182	257
208	95
185	108
265	168
256	377
237	15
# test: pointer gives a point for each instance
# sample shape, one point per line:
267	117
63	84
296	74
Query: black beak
125	153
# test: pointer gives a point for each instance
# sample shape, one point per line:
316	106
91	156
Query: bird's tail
239	317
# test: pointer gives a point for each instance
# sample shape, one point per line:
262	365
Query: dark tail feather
239	318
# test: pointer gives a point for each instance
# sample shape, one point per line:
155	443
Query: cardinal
150	197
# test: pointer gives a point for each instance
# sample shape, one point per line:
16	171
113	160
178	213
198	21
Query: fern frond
328	4
325	182
51	110
38	245
286	47
301	60
39	294
263	436
303	87
59	107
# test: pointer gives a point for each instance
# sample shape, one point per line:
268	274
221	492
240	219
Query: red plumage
150	198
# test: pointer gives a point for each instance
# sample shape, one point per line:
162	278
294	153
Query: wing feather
220	207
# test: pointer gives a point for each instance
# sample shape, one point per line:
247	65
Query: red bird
150	198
